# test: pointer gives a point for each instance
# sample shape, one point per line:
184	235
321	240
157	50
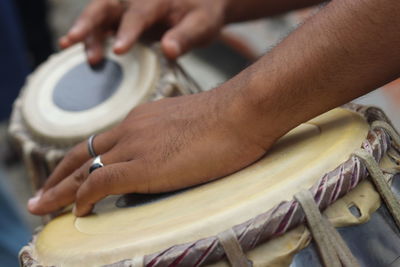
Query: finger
98	14
64	42
119	178
192	30
135	20
58	196
94	46
64	193
79	155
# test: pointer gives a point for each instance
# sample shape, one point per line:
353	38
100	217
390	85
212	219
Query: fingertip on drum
33	204
171	48
64	42
78	31
121	46
94	57
81	211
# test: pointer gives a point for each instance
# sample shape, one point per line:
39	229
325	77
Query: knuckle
96	179
78	177
105	180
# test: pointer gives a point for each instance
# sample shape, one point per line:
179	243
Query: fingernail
74	210
32	203
173	46
118	44
63	40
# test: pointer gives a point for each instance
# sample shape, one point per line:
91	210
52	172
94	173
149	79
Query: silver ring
96	164
90	146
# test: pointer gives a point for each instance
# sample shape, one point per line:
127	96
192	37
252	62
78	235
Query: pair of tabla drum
254	217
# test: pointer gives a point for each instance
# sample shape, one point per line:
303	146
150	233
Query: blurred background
29	32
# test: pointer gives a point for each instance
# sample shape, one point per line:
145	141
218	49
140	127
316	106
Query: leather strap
233	249
346	257
381	185
333	250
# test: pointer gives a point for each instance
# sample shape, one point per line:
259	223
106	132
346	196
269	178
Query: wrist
241	114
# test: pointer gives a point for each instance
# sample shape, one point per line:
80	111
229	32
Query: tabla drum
66	100
254	217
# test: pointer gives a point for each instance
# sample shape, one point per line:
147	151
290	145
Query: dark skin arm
348	49
189	22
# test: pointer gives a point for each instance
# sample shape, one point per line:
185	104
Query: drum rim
41	128
170	75
377	143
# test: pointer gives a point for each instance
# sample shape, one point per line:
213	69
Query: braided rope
283	217
287	214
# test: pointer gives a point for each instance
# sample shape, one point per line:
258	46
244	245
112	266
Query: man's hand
160	146
186	23
189	23
348	49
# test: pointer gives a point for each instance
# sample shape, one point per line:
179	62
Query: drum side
296	162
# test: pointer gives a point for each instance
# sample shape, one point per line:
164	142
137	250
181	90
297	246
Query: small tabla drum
341	162
66	100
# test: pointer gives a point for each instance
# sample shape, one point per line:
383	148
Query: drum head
145	226
66	99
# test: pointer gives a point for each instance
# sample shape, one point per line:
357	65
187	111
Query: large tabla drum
255	217
65	100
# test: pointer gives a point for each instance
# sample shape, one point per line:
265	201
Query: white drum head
66	100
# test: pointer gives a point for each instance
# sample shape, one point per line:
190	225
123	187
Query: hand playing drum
191	22
175	143
159	147
346	50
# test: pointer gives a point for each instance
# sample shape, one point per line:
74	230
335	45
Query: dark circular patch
134	200
85	86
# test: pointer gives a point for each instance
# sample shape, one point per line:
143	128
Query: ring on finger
96	164
91	151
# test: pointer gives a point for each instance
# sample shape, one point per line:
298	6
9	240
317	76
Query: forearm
239	10
348	49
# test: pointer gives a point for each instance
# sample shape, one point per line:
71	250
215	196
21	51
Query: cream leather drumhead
147	225
66	100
